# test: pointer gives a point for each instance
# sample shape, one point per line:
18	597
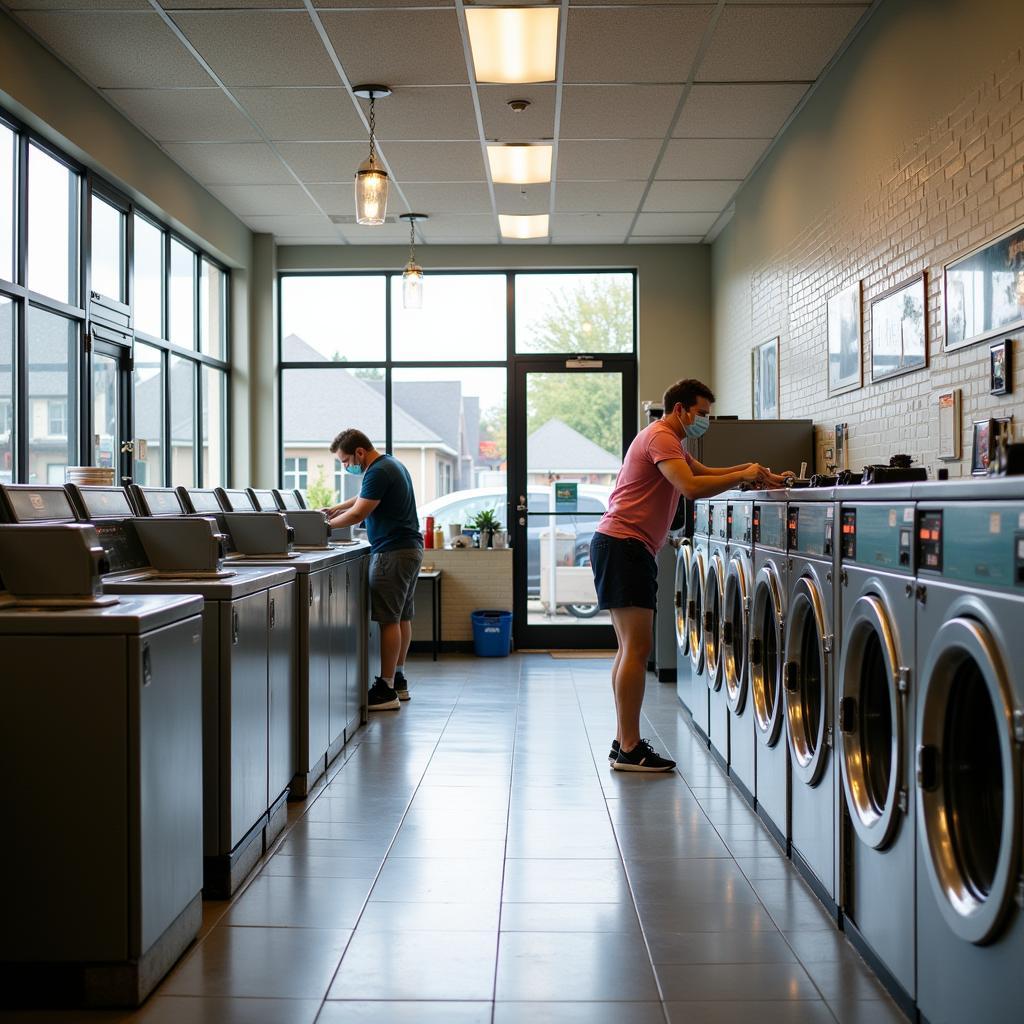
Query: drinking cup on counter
454	530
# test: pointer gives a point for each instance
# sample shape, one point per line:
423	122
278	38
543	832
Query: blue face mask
355	469
698	428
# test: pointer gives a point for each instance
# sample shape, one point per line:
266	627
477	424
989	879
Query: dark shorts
393	584
625	573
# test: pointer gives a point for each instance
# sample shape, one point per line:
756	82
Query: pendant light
371	182
412	276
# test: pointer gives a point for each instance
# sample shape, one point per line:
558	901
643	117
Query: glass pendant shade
412	286
371	192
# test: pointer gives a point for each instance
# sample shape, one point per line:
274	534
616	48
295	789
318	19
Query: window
52	344
148	384
332	318
6	390
52	227
444	477
213	311
183	422
8	156
296	474
182	295
215	418
56	418
55	472
107	263
149	277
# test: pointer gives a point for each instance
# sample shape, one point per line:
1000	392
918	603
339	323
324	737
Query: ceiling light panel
514	44
533	226
520	165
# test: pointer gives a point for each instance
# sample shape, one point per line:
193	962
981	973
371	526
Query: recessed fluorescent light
513	44
520	164
516	226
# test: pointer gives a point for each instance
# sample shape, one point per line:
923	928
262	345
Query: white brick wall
471	580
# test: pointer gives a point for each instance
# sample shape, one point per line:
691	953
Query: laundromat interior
284	744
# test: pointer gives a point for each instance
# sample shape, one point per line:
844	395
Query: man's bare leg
634	628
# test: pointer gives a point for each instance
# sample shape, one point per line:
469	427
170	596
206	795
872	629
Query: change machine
101	753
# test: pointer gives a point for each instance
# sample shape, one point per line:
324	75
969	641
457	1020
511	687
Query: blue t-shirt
394	525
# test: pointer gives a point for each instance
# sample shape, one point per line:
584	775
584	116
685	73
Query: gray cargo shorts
393	584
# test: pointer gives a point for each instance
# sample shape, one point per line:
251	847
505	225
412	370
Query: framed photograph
950	446
845	369
1000	367
982	447
899	341
766	380
984	291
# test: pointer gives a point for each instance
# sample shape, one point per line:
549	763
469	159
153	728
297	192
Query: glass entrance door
574	420
110	369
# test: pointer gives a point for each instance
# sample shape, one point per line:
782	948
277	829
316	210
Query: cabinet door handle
147	666
272	613
234	628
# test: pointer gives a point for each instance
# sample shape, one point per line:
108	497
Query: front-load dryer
714	618
969	732
875	686
739	587
765	660
684	671
809	643
695	616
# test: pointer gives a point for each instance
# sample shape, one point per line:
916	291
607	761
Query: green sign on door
566	497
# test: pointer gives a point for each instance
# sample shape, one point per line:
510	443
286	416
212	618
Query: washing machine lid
969	779
765	678
684	558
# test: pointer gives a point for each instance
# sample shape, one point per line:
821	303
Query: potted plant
486	523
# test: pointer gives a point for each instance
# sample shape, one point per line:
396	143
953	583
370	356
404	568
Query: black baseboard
899	995
815	885
666	675
774	831
743	791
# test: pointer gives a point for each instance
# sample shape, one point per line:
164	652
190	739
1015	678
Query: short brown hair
686	391
349	440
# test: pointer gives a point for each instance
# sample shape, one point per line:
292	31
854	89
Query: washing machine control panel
810	529
985	543
929	541
720	520
769	525
877	535
741	522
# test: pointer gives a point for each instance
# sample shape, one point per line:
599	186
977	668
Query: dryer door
871	721
764	655
808	650
714	606
969	777
735	632
684	559
695	611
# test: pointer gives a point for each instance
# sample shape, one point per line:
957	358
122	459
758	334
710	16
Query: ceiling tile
618	111
665	239
502	123
340	200
710	159
607	161
689	196
324	161
737	111
202	5
523	199
449	198
674	223
232	163
643	44
753	43
260	48
382	3
184	115
571	227
265	200
398	47
303	115
118	50
598	196
318	227
382	234
78	5
435	161
444	112
448	228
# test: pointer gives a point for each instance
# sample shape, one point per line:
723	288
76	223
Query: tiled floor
475	860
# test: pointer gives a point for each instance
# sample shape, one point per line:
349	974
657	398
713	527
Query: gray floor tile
766	947
383	916
734	982
867	1011
729	1012
579	1013
391	1012
845	981
200	1010
820	946
704	917
409	844
439	880
285	901
323	867
304	846
565	881
569	917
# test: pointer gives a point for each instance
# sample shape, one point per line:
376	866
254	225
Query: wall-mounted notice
949	425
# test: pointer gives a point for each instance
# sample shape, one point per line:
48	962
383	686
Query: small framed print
845	369
949	426
981	447
766	380
1000	373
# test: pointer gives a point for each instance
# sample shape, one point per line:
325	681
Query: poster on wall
766	380
898	334
984	291
845	372
949	425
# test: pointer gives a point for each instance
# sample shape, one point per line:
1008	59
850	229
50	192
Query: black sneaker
401	686
381	697
614	752
642	758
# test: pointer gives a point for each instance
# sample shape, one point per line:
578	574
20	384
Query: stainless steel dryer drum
714	620
875	684
684	670
766	660
969	730
695	618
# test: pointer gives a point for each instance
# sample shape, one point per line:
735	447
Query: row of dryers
855	658
174	668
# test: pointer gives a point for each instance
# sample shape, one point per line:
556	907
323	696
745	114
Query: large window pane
106	249
183	422
316	406
52	435
215	433
574	313
463	318
213	311
148	381
183	296
105	407
8	156
333	318
448	428
148	277
52	227
6	390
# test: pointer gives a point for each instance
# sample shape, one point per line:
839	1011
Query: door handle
522	508
128	448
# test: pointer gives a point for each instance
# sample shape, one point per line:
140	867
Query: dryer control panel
878	535
769	525
973	542
810	529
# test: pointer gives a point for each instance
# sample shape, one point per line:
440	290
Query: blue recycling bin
492	633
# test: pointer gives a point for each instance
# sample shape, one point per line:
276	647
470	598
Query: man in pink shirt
654	473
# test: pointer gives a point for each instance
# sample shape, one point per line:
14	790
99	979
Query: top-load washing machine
739	586
969	732
875	696
684	670
809	691
765	659
714	616
695	616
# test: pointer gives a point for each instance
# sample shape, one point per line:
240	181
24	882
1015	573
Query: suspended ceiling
659	113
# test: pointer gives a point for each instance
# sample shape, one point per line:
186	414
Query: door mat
575	655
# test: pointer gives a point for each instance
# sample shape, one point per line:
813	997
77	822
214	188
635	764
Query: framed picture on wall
983	291
899	341
766	380
845	369
1000	367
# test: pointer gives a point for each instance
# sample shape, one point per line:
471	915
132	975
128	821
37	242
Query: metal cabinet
281	692
314	712
340	646
361	664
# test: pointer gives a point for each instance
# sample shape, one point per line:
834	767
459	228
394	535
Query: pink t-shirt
643	503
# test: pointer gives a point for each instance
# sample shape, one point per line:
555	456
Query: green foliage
590	403
318	494
594	317
486	520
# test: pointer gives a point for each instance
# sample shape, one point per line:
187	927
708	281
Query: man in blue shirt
387	503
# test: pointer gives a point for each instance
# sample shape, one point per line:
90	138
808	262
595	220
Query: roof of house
556	447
